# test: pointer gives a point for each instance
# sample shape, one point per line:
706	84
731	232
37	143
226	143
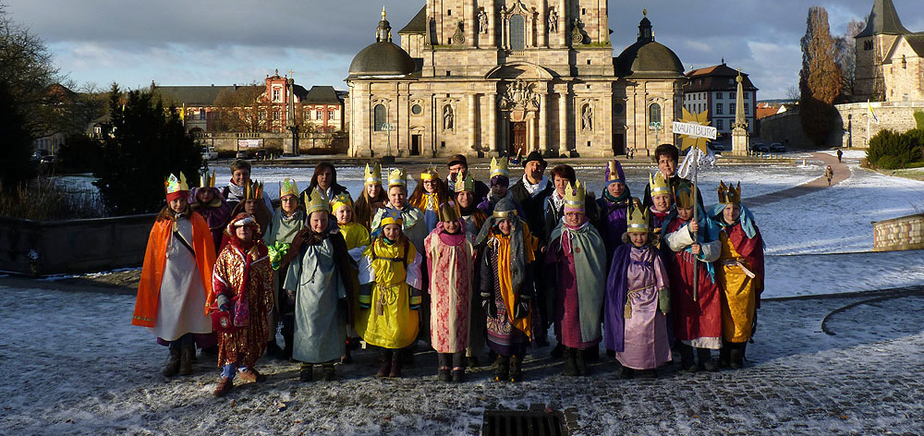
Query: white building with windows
713	89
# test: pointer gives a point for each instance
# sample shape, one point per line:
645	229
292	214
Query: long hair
362	207
318	170
442	194
167	213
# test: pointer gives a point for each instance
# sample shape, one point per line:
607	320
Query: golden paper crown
373	175
499	167
288	187
174	184
429	174
391	216
207	181
448	212
316	203
637	217
683	195
729	194
341	200
574	197
614	172
397	177
466	183
658	185
253	191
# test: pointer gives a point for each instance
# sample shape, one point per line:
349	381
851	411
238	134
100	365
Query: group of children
454	269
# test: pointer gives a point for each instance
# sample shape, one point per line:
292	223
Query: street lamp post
388	127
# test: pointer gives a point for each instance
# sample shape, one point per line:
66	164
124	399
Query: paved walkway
845	364
841	173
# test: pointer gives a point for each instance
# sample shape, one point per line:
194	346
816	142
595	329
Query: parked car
49	159
760	146
208	153
776	147
259	154
241	154
716	146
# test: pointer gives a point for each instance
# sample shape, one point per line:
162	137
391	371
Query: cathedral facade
502	77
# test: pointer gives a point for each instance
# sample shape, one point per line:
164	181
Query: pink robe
646	345
451	266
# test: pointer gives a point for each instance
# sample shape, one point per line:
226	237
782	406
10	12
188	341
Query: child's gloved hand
223	302
489	307
521	310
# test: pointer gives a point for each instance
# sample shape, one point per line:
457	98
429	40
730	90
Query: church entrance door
517	139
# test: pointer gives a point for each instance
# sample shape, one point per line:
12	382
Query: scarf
235	192
609	197
452	239
557	200
537	188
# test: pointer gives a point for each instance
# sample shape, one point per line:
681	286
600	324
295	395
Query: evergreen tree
821	79
16	166
148	143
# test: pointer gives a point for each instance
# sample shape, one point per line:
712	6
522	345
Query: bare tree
243	110
845	54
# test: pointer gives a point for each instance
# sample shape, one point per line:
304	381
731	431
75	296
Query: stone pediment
519	71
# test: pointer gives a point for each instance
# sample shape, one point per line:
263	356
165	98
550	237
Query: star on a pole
701	118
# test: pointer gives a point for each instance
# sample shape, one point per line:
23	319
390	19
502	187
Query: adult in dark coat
458	168
531	191
324	179
667	156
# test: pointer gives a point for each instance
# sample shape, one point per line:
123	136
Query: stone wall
278	141
71	247
848	129
905	233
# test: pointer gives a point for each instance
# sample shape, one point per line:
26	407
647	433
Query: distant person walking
840	154
829	174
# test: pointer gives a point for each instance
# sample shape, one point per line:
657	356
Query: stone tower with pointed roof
498	77
889	63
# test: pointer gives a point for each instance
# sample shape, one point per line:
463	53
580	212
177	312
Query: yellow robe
389	322
739	304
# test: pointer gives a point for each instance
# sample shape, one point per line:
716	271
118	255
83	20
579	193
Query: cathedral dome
647	58
382	58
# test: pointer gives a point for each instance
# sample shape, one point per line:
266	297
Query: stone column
491	102
473	122
563	121
470	13
543	123
533	130
544	23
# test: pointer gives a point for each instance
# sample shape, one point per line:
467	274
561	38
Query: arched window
378	115
654	113
517	32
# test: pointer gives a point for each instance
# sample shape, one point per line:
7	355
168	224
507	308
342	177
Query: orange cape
155	259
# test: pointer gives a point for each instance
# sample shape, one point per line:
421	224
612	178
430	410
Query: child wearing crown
372	198
429	194
695	296
207	201
389	293
253	203
450	262
500	182
176	279
576	266
508	250
662	204
243	289
356	237
472	219
613	205
413	228
637	299
739	273
287	220
319	286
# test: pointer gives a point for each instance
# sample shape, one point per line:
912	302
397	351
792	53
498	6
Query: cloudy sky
221	42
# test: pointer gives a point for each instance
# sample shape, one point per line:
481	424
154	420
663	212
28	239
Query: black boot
385	364
592	355
396	362
558	351
704	355
445	371
736	356
187	355
686	358
626	373
328	373
516	368
502	368
580	362
173	364
306	372
724	354
569	368
458	367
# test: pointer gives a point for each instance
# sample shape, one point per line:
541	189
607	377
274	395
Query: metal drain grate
523	423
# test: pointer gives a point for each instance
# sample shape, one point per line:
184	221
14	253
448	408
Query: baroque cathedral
502	77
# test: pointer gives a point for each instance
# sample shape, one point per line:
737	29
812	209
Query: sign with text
695	130
249	143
